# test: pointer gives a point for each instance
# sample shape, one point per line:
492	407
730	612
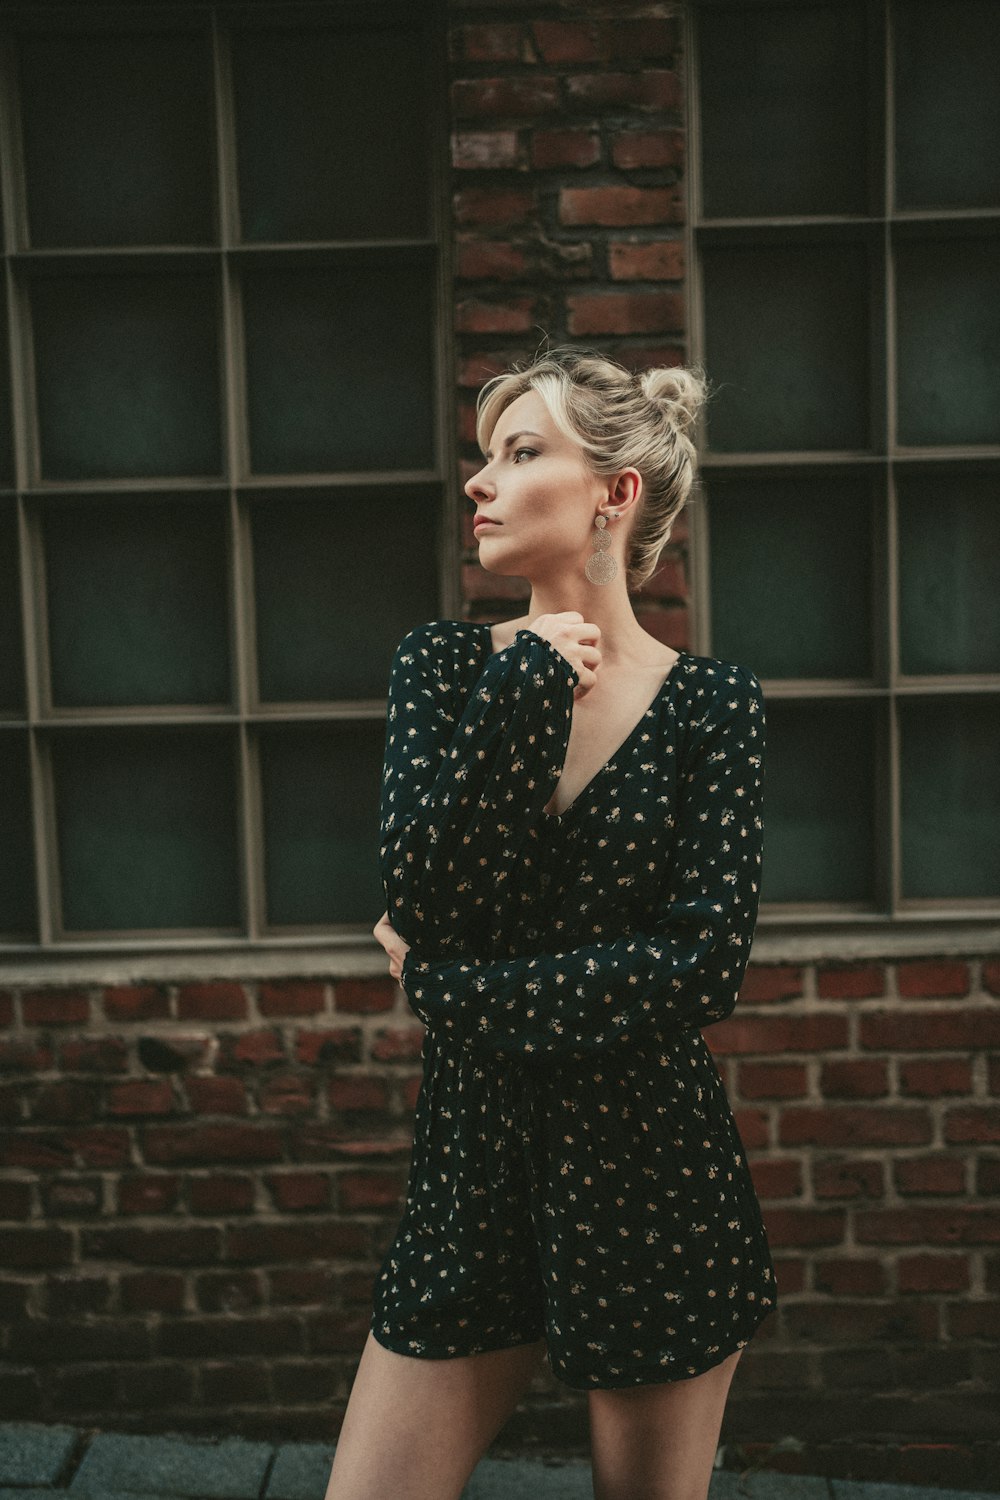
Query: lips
483	521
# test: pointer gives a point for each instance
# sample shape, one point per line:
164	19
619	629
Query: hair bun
680	392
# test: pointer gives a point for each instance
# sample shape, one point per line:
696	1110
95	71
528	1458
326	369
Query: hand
577	640
393	944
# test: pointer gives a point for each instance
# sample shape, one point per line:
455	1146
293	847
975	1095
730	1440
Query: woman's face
536	485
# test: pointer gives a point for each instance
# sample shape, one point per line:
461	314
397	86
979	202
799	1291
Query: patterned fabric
577	1173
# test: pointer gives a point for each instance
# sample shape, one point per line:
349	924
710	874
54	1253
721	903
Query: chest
606	721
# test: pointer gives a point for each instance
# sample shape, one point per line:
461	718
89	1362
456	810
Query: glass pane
137	593
803	544
6	439
950	797
332	133
949	573
819	809
128	375
119	138
339	368
146	827
18	914
320	791
786	335
11	641
947	104
948	320
320	634
783	109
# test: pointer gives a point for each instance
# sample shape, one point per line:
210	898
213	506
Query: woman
571	853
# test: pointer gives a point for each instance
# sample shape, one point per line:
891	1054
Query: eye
523	450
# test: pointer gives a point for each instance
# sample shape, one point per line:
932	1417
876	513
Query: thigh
415	1429
658	1442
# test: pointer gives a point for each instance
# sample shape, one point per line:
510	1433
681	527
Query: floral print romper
576	1174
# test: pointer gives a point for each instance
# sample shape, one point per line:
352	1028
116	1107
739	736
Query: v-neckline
615	755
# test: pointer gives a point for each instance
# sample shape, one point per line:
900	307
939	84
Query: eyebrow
513	437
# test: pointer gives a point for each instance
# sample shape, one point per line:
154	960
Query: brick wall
198	1181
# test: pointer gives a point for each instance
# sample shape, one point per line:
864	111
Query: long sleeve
686	969
462	777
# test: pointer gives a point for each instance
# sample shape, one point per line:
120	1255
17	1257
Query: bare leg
658	1442
415	1429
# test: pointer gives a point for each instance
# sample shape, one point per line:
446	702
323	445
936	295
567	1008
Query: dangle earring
601	566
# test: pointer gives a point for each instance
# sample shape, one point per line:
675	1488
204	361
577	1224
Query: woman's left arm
686	970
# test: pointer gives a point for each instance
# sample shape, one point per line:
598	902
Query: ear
626	489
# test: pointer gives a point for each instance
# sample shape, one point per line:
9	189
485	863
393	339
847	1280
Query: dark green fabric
577	1172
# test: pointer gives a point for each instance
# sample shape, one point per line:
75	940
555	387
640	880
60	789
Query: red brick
635	149
933	1273
15	1200
302	1240
150	1193
854	1125
504	98
475	316
19	1055
846	1177
988	1176
931	1077
216	1096
572	41
933	1030
777	1178
764	1035
354	1091
991	975
365	997
291	998
854	981
768	982
32	1249
855	1078
485	150
805	1226
99	1145
221	1193
933	1176
66	1101
832	1322
152	1291
652	89
773	1080
398	1044
207	1143
257	1047
921	977
228	1291
489	260
661	260
564	148
974	1319
338	1044
141	1096
507	206
620	205
137	1002
626	312
68	1007
6	1008
645	37
496	42
217	1001
294	1191
93	1054
187	1244
978	1123
931	1224
843	1277
369	1190
286	1094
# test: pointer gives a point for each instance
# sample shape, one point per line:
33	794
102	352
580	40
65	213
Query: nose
476	488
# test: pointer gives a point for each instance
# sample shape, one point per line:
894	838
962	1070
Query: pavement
40	1459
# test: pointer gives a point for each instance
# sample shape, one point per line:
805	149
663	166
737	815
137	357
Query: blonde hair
620	420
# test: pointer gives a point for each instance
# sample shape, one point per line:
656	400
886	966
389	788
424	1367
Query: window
846	305
220	460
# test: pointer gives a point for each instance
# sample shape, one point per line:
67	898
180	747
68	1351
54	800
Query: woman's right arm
463	783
